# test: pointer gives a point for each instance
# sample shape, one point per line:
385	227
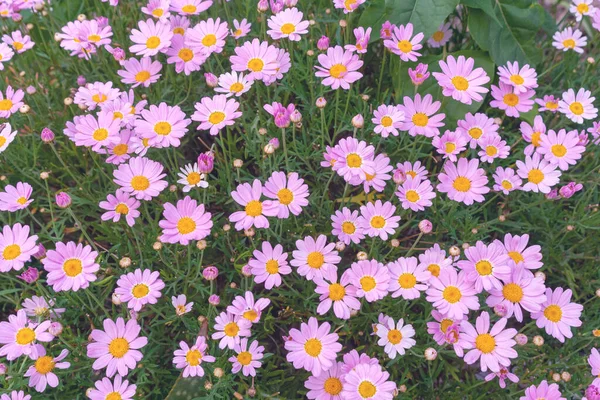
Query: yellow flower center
394	336
462	184
559	150
238	32
179	31
2	141
536	138
113	396
186	225
193	178
553	313
72	267
512	292
244	358
353	160
272	267
122	208
185	54
475	133
193	358
583	8
94	38
216	117
250	315
231	329
348	227
511	99
483	267
120	149
367	283
44	364
445	324
18	45
6	104
450	147
11	252
569	43
142	76
515	255
485	343
576	108
405	46
420	119
140	290
348	4
288	28
460	83
99	98
209	40
21	200
452	294
315	259
535	176
407	281
162	128
491	151
140	182
412	196
153	42
189	8
158	12
100	134
551	105
117	115
338	71
517	79
256	64
118	347
434	269
438	36
336	292
386	121
377	222
285	196
333	386
366	389
253	208
313	347
507	185
236	87
25	336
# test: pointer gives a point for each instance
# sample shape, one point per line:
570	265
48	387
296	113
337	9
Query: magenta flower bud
246	271
55	329
295	116
521	339
291	3
323	43
570	189
419	74
399	177
358	121
31	89
276	6
133	314
3	369
102	22
17	17
206	162
500	310
214	300
81	80
30	275
552	195
425	226
452	333
386	30
263	6
211	79
592	393
210	273
47	135
321	102
41	252
63	200
282	120
274	142
118	54
584	139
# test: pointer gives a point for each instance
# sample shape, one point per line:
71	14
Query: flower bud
55	328
218	372
214	300
323	43
454	251
556	377
30	275
3	369
425	226
246	271
361	255
68	101
63	200
358	121
125	262
430	354
81	80
274	142
521	339
116	299
538	340
340	246
321	102
211	80
540	274
31	89
44	175
157	246
295	116
24	109
201	244
206	162
47	135
565	376
237	163
210	273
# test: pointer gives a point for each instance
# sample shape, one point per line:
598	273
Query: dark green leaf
486	6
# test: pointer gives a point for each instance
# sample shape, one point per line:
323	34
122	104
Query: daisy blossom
190	7
538	174
434	260
354	358
407	278
355	159
269	264
368	382
150	38
141	177
16	247
315	258
558	314
7	135
120	205
561	148
190	359
339	67
414	170
378	219
450	144
371	279
70	266
184	222
523	256
543	391
578	107
216	113
521	79
41	373
464	181
420	116
18	336
162	125
242	28
233	84
377	181
327	385
348	5
39	307
136	72
313	347
247	358
16	198
6	54
116	348
439	328
569	39
94	94
493	347
208	36
190	177
452	294
513	103
441	36
362	40
230	329
342	295
289	194
105	388
396	338
506	180
179	24
287	24
492	148
520	290
416	194
187	58
387	120
477	127
97	132
459	80
547	103
533	134
580	8
503	374
254	210
403	44
486	265
346	226
181	305
19	42
139	288
158	9
257	58
247	307
9	104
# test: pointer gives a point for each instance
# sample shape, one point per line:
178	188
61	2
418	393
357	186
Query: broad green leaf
425	15
486	6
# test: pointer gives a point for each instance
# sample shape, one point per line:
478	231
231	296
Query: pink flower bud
55	329
63	200
425	226
521	339
211	80
321	102
246	271
295	116
210	273
30	275
263	5
399	177
274	142
81	80
323	43
41	252
358	121
386	30
206	162
419	74
47	135
214	300
118	54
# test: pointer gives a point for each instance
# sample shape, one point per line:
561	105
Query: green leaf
425	15
487	6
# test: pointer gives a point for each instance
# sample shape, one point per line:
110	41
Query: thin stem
285	153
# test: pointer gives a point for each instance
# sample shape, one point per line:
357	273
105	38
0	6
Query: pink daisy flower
163	126
387	120
185	222
141	177
97	132
355	159
247	358
558	314
190	359
395	338
362	37
120	205
216	113
18	336
368	382
347	5
254	210
539	175
139	288
377	219
561	148
594	362
419	74
450	144
346	226
10	104
414	170
377	181
136	72
547	103
533	134
41	373
434	260
477	127
94	94
464	182
542	391
230	329
519	290
415	194
569	39
179	24
187	58
521	79
511	102
70	266
16	247
506	180
371	279
247	308
313	347
190	7
105	388
181	305
486	265
354	358
16	198
408	278
116	348
339	67
123	111
492	148
158	9
342	295
257	58
441	36
208	36
439	328
39	307
285	64
419	116
289	194
315	258
327	385
151	38
493	347
287	24
459	80
523	256
241	28
269	264
233	84
503	374
403	44
14	395
452	294
581	8
19	42
6	54
595	131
